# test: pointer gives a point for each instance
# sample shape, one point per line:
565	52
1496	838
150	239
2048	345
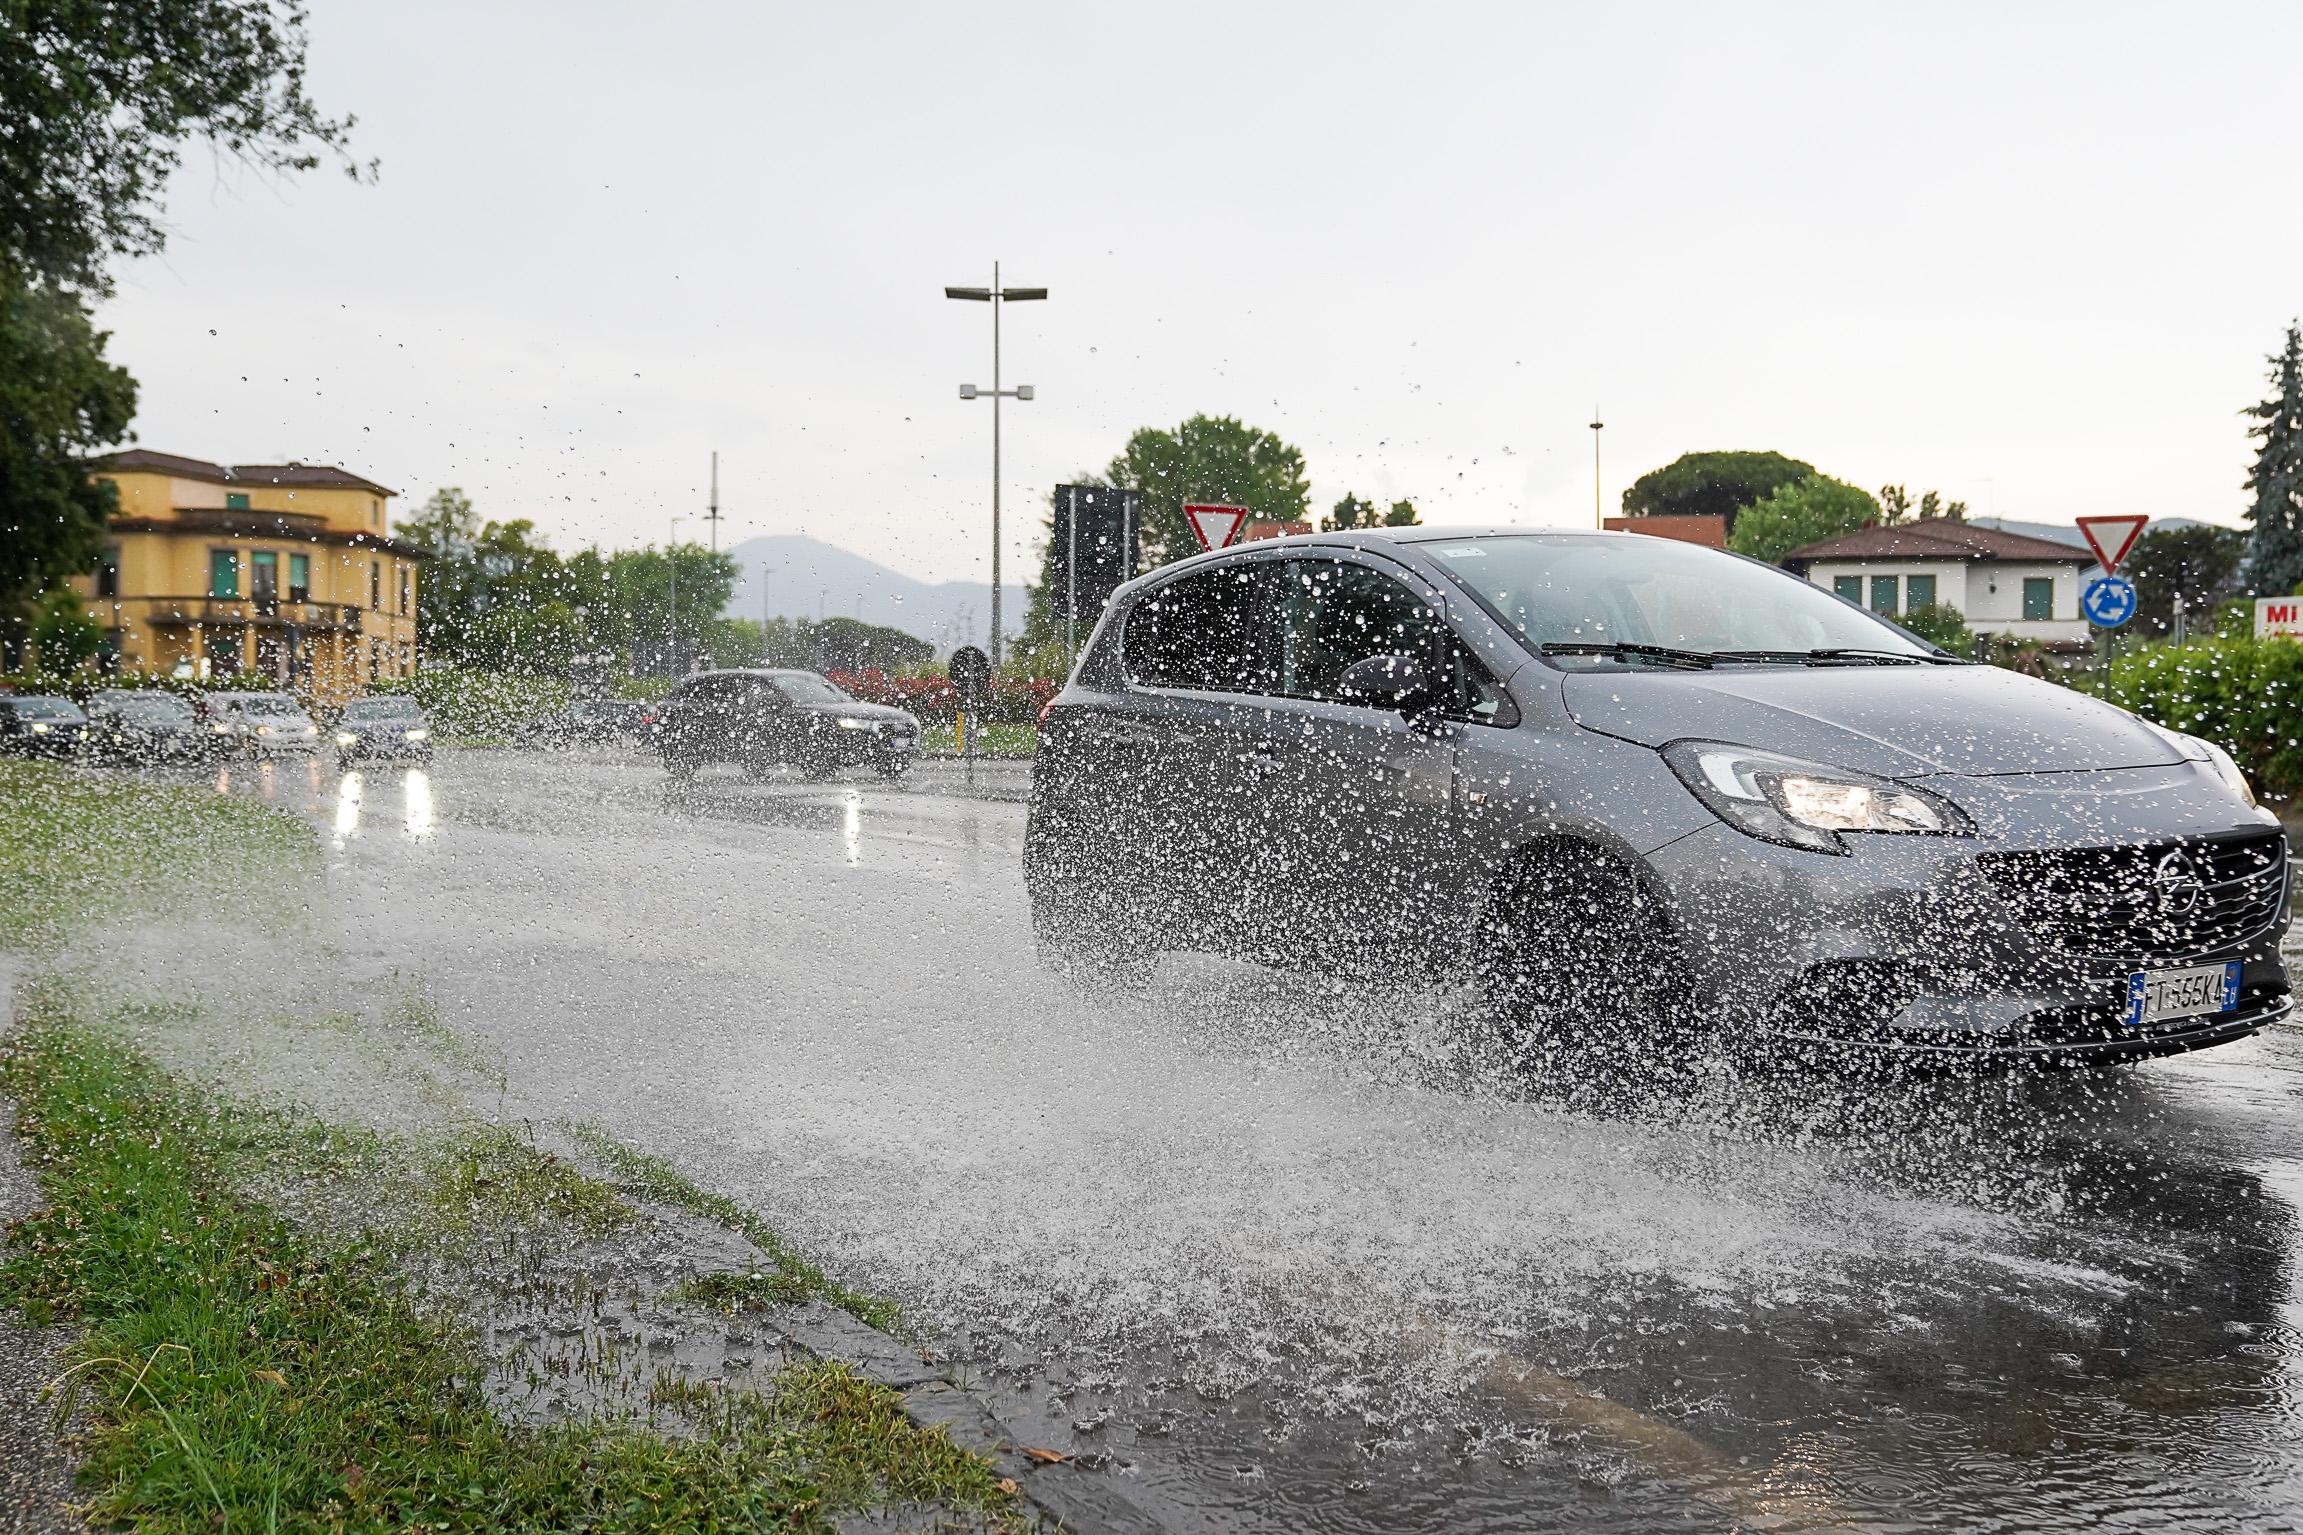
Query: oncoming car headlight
850	722
1806	804
346	738
418	734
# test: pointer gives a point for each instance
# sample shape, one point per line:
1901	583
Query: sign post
2109	600
2112	538
971	674
1215	526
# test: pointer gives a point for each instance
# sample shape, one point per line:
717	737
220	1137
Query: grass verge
795	1278
75	846
242	1373
989	740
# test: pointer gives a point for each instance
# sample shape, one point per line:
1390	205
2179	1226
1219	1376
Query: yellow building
285	570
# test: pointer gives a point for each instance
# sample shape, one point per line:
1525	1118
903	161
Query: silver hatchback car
1638	788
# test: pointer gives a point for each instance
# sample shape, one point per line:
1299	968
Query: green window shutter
1850	587
299	576
223	573
1919	591
1883	595
2038	597
235	501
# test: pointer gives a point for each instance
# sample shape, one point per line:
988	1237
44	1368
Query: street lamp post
1598	506
672	624
996	296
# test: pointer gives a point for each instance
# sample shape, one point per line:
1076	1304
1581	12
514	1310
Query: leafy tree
96	103
63	634
1895	506
59	402
1401	514
2199	564
1711	484
667	599
1350	512
847	645
2275	552
101	99
1800	514
1208	459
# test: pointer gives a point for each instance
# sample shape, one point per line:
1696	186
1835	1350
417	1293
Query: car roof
752	671
1367	538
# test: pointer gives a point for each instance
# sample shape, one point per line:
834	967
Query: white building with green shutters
2002	583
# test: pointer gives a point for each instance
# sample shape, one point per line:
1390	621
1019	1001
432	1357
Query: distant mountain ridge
808	578
2068	532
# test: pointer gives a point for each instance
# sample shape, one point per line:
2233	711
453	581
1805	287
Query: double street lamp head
971	392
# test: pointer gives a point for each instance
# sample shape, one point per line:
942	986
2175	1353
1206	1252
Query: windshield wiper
1853	654
1629	650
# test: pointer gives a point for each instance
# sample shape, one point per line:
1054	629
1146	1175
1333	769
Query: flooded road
1283	1255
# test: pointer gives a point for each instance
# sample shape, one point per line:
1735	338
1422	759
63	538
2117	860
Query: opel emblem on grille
2176	889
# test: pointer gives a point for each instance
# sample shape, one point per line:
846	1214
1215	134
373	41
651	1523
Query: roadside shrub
1014	700
1940	623
487	705
2244	694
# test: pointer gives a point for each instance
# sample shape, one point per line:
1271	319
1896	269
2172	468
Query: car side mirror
1388	682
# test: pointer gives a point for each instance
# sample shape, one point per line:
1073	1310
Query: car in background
1644	795
148	726
264	724
40	725
762	719
388	727
591	722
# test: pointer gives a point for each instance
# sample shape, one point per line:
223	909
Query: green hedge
2244	694
481	705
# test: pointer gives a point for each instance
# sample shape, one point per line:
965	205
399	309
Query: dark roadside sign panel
971	674
1093	552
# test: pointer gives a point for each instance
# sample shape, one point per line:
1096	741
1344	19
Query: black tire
895	765
682	769
1581	972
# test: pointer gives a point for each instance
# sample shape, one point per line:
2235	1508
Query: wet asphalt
1281	1254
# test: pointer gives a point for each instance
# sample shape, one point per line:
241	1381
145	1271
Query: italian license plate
2155	995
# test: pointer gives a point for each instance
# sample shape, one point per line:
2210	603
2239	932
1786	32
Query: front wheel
1580	972
895	765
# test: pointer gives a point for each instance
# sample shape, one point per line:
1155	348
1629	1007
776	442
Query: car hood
1896	721
358	727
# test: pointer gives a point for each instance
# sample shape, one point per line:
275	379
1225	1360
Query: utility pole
997	297
712	509
672	629
765	572
1598	507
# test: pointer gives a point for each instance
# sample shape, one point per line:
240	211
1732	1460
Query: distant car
144	725
760	720
388	727
35	725
591	722
263	724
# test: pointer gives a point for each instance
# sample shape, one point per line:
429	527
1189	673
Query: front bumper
383	748
1924	949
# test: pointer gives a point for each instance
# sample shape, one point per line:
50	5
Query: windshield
1637	590
381	709
805	688
155	708
45	709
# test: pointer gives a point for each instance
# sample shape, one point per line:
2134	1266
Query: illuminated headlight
346	738
311	730
263	730
39	727
847	723
419	735
220	728
1805	804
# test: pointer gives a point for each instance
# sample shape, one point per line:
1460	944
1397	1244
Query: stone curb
1082	1502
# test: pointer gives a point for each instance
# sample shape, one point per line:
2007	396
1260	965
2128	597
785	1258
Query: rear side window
1199	633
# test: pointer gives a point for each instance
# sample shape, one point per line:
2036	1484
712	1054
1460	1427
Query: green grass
78	846
490	1179
794	1278
989	741
242	1373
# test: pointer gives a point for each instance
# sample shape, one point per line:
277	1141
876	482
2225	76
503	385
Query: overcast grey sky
2031	255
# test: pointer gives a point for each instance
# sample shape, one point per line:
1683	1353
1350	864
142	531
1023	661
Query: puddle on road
1280	1254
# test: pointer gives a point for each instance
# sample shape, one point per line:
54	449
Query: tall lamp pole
1598	506
712	507
672	562
996	296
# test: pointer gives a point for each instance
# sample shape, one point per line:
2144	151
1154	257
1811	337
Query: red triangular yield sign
1215	526
2111	538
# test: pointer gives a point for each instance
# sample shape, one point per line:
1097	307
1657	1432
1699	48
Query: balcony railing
263	613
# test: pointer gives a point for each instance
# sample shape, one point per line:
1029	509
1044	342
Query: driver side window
1333	613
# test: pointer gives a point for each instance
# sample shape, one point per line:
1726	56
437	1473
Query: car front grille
2159	902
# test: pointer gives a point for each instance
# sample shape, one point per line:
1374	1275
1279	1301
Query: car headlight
346	738
1805	804
220	728
419	735
847	723
39	727
2211	757
263	730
